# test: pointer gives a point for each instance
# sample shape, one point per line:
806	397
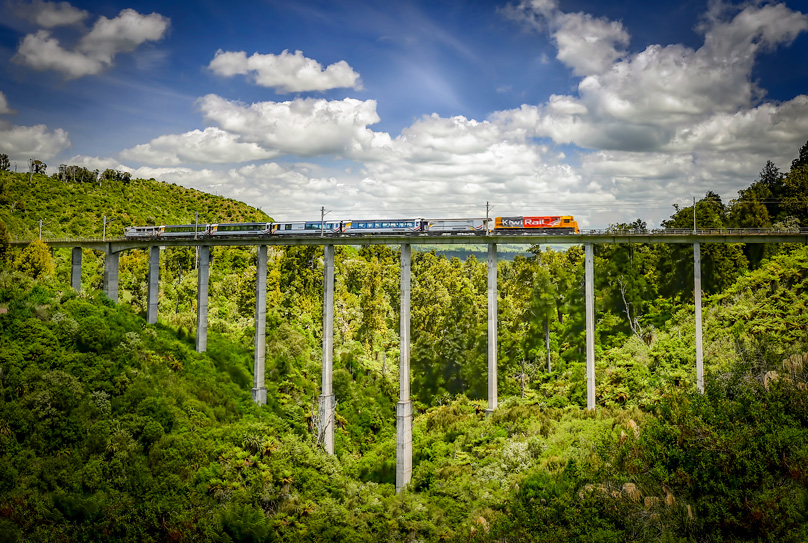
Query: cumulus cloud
97	49
4	107
98	163
467	162
50	14
24	142
656	99
587	44
21	143
648	128
288	191
304	127
287	72
43	52
669	122
208	146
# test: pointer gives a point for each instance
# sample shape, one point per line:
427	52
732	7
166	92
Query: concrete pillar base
697	300
589	286
154	284
203	278
325	430
111	276
259	395
492	326
403	444
260	326
75	274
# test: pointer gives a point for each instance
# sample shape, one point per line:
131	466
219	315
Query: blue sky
607	111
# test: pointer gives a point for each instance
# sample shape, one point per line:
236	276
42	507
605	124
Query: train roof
238	223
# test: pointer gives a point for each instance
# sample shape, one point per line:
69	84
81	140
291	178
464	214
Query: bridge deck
724	235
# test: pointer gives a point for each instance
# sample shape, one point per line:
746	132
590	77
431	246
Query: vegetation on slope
76	210
111	429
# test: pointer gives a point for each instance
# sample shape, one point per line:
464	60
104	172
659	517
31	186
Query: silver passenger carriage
385	226
457	226
304	228
141	232
181	230
239	229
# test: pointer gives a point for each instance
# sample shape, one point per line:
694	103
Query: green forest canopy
111	429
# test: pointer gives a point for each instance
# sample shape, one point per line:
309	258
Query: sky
608	111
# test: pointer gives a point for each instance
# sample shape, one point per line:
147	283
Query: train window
287	226
566	220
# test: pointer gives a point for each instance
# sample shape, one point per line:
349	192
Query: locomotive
499	225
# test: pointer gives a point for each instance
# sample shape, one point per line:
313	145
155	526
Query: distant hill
73	209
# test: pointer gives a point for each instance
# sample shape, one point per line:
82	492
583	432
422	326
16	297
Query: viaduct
113	247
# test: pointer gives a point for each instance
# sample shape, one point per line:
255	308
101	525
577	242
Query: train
555	224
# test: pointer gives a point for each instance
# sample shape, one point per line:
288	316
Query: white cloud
97	163
97	49
305	127
122	34
283	191
766	129
24	142
42	52
465	162
51	14
654	100
670	122
587	44
208	146
5	109
287	72
654	127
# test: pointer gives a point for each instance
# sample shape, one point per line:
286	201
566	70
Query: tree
802	158
750	209
721	263
541	309
5	165
771	178
39	167
795	202
5	241
36	260
374	306
625	279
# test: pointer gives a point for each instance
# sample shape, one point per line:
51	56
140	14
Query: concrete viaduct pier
259	391
75	268
203	280
492	327
404	405
404	417
325	431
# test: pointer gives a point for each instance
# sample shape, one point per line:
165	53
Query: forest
115	430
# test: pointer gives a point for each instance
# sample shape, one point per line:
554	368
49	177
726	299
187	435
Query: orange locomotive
549	225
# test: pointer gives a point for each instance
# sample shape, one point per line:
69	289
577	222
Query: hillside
111	429
114	430
75	209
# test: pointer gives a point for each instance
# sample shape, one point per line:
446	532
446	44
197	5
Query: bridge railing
70	240
688	231
583	233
